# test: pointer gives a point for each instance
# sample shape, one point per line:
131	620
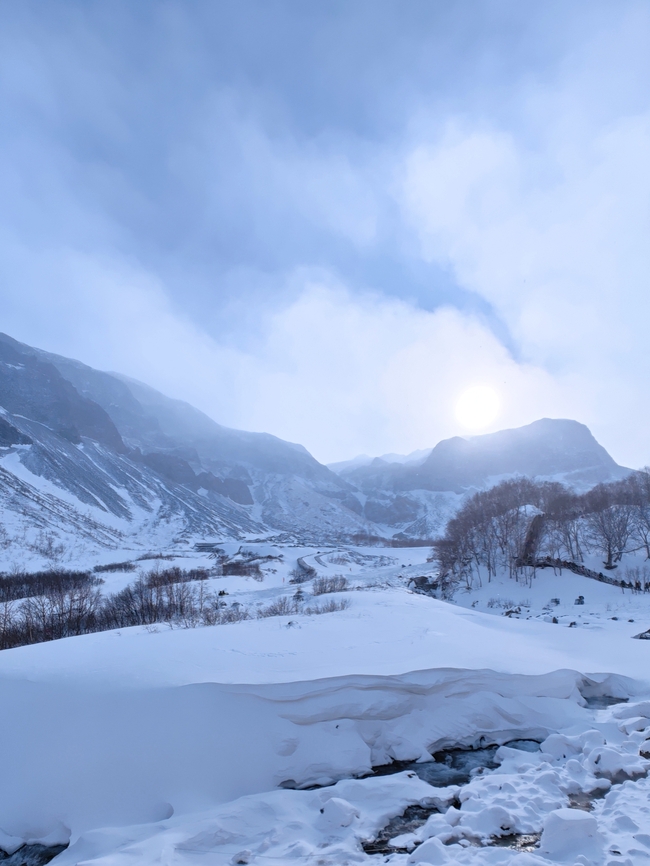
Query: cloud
249	234
347	373
550	225
234	164
339	372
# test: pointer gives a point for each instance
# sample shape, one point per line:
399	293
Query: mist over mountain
414	458
117	454
97	456
549	448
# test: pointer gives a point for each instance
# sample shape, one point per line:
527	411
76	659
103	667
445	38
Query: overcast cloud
327	220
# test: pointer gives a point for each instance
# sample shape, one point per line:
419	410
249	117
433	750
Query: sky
337	221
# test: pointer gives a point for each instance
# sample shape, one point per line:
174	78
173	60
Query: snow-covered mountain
414	459
548	448
95	458
412	493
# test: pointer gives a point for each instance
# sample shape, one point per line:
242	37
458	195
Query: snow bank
179	739
385	632
570	833
104	757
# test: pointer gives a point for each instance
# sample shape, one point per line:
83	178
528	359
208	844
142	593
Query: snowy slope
168	745
88	459
130	466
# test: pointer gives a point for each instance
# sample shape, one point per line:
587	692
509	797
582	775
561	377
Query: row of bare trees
53	581
520	522
56	604
51	605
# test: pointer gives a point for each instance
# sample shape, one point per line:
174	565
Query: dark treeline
113	567
174	575
245	563
71	603
50	605
242	568
366	539
54	581
520	525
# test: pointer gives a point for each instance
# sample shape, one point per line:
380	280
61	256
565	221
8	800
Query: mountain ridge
99	454
545	448
160	456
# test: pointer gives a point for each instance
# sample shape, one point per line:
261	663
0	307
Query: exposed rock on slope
100	456
549	448
147	468
560	449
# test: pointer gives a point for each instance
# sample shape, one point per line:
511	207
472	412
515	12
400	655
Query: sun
477	407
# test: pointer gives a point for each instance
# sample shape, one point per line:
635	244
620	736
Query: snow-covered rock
338	812
570	833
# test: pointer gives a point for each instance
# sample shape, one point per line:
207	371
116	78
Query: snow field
605	607
159	745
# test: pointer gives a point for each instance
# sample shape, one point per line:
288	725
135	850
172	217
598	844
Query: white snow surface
170	746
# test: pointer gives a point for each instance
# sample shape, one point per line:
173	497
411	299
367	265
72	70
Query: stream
449	767
454	766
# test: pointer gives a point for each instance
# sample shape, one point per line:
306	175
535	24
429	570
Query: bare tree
609	532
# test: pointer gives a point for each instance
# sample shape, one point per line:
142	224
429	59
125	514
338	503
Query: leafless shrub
297	575
241	568
233	614
283	606
339	559
322	585
26	585
114	566
329	606
45	544
64	610
54	604
501	602
146	556
169	576
5	540
302	572
144	602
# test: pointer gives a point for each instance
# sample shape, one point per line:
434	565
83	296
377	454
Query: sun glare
477	407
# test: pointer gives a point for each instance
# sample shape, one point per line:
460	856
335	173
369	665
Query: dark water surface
454	766
601	702
449	767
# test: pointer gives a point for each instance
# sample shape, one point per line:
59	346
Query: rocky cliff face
35	389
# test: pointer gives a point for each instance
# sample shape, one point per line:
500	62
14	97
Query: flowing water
449	767
454	766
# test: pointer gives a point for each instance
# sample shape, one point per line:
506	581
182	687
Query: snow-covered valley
185	745
324	455
217	650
